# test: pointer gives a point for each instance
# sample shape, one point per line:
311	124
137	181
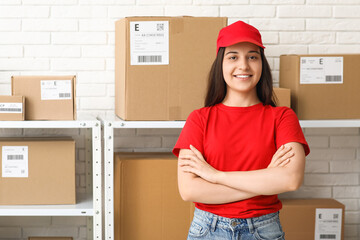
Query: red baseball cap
238	32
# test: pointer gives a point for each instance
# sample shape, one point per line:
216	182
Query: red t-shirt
241	139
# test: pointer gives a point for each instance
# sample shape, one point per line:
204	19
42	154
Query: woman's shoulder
280	109
281	112
201	113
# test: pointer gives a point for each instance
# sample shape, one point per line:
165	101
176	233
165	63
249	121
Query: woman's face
242	67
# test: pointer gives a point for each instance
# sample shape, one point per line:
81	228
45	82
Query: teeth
242	76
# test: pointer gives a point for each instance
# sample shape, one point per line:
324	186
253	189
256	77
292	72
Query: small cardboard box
37	171
47	97
147	202
312	219
12	108
50	238
322	86
283	96
162	65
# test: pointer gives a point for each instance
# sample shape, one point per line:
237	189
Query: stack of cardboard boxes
161	70
43	98
38	170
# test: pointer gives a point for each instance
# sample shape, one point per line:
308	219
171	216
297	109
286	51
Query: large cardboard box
312	219
283	97
322	86
47	97
162	65
37	171
147	202
12	108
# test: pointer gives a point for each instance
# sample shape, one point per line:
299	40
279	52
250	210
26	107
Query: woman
239	151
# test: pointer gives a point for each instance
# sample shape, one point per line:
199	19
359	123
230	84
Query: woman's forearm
196	189
268	181
261	182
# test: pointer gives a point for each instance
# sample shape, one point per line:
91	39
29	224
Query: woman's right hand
281	157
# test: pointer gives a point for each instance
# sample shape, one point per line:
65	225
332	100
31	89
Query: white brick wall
77	37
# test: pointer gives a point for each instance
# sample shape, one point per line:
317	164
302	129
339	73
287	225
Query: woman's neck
240	100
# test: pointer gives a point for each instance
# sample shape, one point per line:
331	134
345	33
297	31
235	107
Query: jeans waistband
224	222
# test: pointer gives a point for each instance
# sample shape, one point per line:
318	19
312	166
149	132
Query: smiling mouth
242	76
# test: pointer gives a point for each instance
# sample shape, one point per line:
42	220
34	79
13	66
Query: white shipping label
11	108
15	161
149	43
328	224
321	70
55	89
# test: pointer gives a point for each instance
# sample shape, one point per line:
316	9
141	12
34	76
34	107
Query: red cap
238	32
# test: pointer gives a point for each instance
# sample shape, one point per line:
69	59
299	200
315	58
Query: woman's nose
243	64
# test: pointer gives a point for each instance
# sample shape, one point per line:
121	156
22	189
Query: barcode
15	157
64	95
142	59
10	109
327	236
160	27
335	78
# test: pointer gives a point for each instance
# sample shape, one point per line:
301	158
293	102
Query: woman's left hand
196	164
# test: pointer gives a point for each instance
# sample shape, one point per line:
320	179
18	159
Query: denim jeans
208	226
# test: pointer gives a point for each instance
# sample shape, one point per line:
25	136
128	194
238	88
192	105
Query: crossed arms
200	182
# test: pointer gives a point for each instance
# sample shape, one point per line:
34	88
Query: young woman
239	151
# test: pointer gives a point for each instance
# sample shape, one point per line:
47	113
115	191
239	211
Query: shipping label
328	224
11	108
149	43
55	89
321	70
15	161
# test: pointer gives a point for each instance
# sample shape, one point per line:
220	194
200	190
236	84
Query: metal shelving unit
113	122
88	204
110	123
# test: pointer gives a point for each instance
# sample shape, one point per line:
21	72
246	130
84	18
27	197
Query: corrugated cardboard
322	101
283	97
166	92
51	173
9	114
147	202
37	109
298	216
50	238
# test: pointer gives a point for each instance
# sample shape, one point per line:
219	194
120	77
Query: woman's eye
252	57
232	57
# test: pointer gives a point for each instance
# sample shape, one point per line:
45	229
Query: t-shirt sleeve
192	133
289	130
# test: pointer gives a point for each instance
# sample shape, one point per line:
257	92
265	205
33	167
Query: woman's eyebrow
254	52
231	52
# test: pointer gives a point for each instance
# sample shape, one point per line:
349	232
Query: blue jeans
208	226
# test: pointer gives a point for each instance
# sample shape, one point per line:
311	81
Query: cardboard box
50	238
147	202
162	65
322	86
283	97
47	97
12	108
37	171
312	219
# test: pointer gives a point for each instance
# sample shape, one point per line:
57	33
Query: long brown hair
216	90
